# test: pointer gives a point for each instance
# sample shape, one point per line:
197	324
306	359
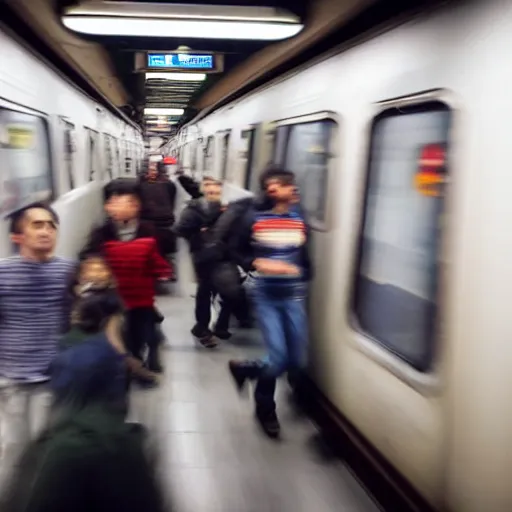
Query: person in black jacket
194	225
158	196
271	240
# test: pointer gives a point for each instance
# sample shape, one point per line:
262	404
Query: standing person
35	302
129	246
158	197
273	242
195	224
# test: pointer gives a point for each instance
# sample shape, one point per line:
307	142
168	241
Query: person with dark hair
158	203
273	244
194	224
129	246
34	307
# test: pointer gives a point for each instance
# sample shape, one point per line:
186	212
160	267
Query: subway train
57	144
399	143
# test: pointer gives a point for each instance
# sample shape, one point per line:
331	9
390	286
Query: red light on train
169	160
431	170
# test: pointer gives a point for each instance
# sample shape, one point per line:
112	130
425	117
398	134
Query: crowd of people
76	335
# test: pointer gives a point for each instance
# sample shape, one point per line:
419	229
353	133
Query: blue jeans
282	317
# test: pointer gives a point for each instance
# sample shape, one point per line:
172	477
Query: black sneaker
239	374
222	334
153	362
204	336
269	423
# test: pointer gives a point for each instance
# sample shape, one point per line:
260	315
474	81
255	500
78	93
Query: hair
18	216
122	187
276	172
95	307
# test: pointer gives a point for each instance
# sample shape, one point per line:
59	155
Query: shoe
153	362
222	334
269	423
239	374
204	336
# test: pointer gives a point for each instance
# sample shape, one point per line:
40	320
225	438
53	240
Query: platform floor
213	457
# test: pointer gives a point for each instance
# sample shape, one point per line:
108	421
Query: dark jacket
195	225
158	201
239	241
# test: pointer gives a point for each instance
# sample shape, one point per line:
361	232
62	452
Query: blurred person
194	225
129	246
95	284
192	187
158	196
89	458
272	241
34	308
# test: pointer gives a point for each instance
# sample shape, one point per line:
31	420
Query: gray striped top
34	305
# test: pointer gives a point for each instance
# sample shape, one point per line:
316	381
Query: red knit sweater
136	265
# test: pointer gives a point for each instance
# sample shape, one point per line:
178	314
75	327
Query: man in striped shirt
272	241
34	309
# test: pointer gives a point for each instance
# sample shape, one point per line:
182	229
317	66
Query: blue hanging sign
180	61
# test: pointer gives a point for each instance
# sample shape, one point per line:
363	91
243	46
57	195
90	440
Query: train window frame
225	139
69	161
44	118
423	375
109	154
249	161
209	155
286	126
92	148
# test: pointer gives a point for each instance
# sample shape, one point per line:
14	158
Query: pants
283	323
166	240
24	413
204	295
141	331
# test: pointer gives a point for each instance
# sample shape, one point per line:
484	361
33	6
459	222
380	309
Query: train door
304	145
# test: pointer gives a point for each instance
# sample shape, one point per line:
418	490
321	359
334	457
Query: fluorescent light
156	121
203	29
182	77
163	111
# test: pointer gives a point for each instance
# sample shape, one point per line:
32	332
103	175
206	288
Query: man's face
279	192
152	173
206	184
123	208
38	231
213	192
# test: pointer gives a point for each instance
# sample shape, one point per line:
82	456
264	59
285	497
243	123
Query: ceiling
104	66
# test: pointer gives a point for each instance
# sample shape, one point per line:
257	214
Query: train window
69	150
246	157
224	155
395	299
307	155
193	158
209	155
109	155
279	144
93	157
25	163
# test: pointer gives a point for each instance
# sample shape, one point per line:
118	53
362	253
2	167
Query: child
98	308
130	249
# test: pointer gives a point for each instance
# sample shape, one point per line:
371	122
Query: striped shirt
34	306
279	237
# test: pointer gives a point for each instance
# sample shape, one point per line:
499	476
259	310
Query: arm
239	244
187	225
191	187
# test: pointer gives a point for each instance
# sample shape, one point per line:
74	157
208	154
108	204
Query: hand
275	267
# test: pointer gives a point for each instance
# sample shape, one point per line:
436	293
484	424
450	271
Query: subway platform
212	456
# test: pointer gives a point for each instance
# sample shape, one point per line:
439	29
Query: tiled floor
212	455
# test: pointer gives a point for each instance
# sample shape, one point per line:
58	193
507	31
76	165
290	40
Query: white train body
57	143
443	420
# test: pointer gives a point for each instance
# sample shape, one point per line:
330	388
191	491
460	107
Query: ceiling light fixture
181	21
178	77
163	111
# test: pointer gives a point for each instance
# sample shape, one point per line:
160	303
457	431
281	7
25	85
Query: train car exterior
57	144
400	144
